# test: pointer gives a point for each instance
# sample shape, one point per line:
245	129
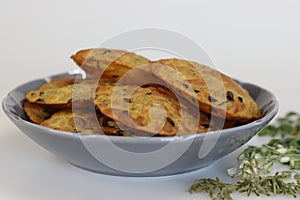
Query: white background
254	41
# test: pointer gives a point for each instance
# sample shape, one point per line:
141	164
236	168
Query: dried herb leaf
256	162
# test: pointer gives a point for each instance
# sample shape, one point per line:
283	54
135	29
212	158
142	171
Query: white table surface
257	42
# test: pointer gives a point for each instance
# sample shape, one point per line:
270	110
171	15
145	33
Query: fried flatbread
215	93
65	120
106	81
143	110
82	121
107	62
37	113
57	83
109	126
63	97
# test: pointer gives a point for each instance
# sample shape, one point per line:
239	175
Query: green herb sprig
256	162
284	126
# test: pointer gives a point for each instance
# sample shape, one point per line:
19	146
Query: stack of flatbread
126	94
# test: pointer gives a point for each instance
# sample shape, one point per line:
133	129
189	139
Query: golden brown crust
114	62
68	104
37	113
216	93
139	106
83	121
63	97
57	83
65	120
109	126
106	81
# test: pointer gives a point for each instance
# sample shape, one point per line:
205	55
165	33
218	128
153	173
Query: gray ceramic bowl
144	156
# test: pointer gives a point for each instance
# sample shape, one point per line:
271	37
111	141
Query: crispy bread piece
109	126
216	93
37	113
114	62
65	120
83	121
143	110
63	97
57	83
106	81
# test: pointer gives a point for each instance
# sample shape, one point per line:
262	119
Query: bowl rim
67	134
